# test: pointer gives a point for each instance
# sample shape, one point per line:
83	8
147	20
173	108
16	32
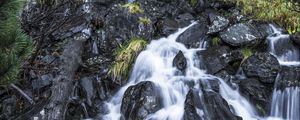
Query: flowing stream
155	64
285	103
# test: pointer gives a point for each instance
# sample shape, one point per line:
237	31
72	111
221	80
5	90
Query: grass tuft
247	52
125	58
144	20
283	12
133	7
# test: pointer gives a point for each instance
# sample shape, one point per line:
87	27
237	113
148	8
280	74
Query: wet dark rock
289	76
140	100
220	58
192	105
217	107
283	46
217	23
88	88
242	34
257	93
184	19
199	6
9	107
193	36
43	81
263	66
180	61
166	27
214	84
296	38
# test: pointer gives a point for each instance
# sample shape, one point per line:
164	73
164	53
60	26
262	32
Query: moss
125	57
282	12
216	41
247	52
194	2
133	7
144	20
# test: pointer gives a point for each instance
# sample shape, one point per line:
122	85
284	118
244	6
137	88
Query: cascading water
155	65
285	103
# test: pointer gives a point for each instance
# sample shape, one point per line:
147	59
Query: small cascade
281	47
155	64
285	101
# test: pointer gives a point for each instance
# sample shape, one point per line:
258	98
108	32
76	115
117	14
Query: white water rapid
155	64
286	102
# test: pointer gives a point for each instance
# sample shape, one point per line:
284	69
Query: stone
241	34
193	36
140	100
180	61
263	66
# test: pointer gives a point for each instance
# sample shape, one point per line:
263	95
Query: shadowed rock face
257	93
241	34
263	66
296	38
139	101
193	36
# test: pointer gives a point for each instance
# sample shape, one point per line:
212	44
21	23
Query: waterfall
285	103
155	64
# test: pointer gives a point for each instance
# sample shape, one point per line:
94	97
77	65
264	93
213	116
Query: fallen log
62	84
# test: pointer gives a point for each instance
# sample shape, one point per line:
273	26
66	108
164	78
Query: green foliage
283	12
194	2
216	41
144	20
247	52
125	58
134	7
15	45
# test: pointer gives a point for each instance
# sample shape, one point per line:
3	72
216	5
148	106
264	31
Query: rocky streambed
204	60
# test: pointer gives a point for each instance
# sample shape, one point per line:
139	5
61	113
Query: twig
22	93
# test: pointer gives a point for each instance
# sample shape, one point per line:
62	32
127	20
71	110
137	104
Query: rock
220	58
140	100
166	27
8	107
241	34
199	6
263	66
216	107
289	76
180	61
43	81
88	88
184	19
296	38
217	23
193	36
192	106
284	47
257	93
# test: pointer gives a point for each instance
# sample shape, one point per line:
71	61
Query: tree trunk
62	84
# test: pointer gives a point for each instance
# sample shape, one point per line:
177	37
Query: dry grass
125	58
283	12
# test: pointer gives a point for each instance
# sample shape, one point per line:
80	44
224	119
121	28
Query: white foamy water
155	64
285	103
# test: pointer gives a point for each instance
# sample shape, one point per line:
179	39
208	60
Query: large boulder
262	66
257	93
242	34
217	23
217	107
192	106
216	59
289	77
180	61
193	36
140	100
